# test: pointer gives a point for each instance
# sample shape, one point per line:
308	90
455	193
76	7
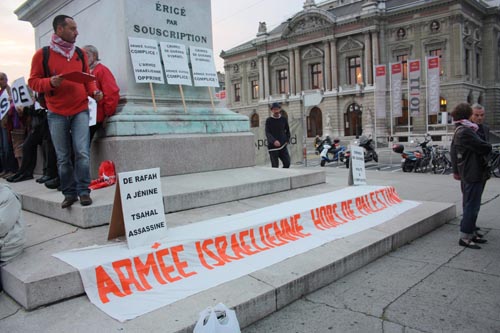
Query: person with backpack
469	159
67	105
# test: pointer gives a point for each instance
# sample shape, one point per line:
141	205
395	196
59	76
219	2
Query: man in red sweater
67	105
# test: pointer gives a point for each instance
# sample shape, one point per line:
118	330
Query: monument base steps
36	278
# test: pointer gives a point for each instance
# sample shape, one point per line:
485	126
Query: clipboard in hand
78	77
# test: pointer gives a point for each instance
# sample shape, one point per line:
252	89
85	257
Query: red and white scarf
66	49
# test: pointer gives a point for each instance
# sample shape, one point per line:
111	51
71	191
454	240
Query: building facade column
260	63
334	64
298	72
229	84
328	65
291	64
375	48
266	77
368	79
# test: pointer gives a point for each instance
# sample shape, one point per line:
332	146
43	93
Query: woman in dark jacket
469	157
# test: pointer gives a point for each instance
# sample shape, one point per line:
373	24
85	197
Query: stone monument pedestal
151	127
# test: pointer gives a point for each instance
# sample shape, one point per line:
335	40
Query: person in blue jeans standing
469	158
67	105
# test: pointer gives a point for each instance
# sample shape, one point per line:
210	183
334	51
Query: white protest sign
142	205
92	111
204	72
20	93
357	174
145	60
176	63
4	103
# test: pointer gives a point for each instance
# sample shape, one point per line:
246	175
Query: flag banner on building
396	93
380	90
433	81
414	78
126	283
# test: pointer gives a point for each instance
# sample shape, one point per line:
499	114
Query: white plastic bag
218	319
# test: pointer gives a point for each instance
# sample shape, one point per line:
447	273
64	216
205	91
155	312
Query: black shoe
477	229
52	184
478	235
85	200
68	201
11	178
22	177
43	179
469	244
479	240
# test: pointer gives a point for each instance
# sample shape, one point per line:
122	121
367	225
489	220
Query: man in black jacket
469	155
278	136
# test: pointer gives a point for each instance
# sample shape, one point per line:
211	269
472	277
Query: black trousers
39	136
281	154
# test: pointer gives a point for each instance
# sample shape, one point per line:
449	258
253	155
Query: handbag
219	319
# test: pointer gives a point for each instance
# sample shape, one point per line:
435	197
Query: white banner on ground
176	64
380	90
396	93
4	103
20	93
126	283
414	77
433	80
202	62
145	60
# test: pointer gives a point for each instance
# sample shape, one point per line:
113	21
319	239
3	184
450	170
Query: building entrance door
315	123
352	120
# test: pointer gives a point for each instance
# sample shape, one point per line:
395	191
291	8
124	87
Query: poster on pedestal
357	174
138	211
204	72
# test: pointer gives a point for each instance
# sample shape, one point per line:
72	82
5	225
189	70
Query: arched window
254	120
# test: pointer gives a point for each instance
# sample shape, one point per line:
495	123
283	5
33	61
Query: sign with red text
142	209
414	87
396	92
126	283
433	80
380	91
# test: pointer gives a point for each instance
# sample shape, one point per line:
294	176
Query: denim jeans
471	203
64	131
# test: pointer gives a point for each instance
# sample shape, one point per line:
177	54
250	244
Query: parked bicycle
441	161
494	162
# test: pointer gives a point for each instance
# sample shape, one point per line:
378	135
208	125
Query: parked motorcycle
369	149
331	152
417	161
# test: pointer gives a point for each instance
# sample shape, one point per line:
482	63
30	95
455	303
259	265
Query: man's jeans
64	131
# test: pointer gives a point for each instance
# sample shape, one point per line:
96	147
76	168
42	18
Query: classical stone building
333	47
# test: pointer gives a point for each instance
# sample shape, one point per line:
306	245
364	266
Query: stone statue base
175	154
